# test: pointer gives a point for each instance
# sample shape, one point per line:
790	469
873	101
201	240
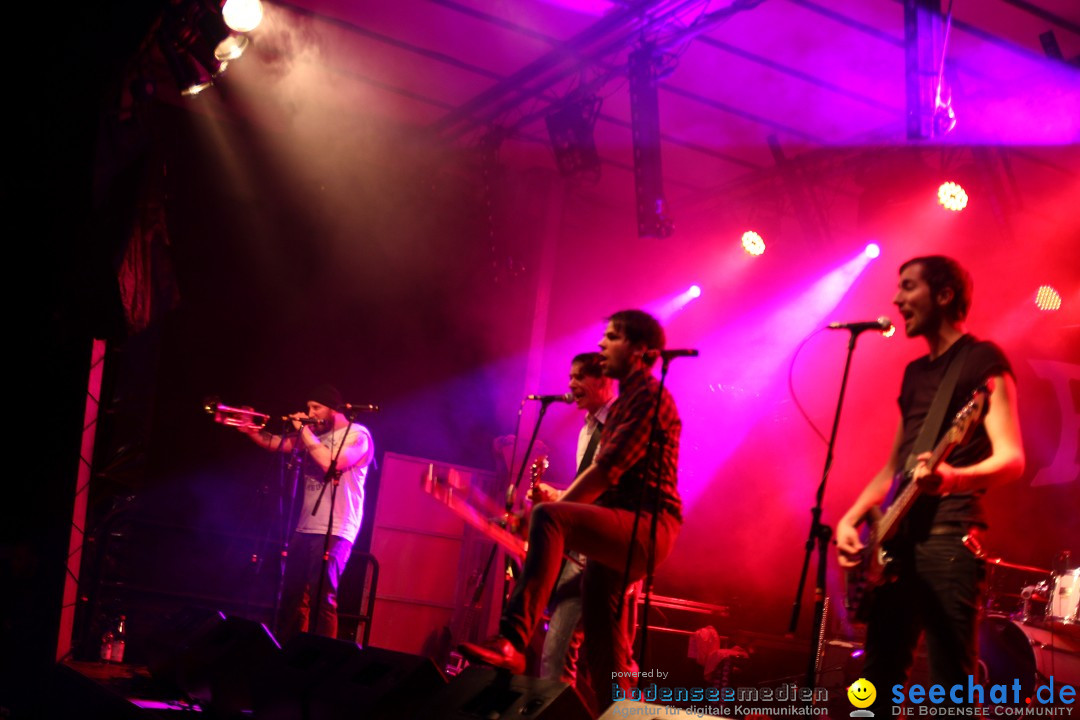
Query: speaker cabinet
429	561
320	678
71	694
213	659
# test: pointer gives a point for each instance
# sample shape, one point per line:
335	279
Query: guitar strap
590	448
931	426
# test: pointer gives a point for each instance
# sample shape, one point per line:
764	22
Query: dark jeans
938	593
603	536
302	568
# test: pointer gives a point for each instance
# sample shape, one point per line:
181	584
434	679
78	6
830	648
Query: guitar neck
890	520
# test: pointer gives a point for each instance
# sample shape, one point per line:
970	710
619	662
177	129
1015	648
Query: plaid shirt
625	439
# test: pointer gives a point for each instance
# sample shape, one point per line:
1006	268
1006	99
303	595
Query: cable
791	387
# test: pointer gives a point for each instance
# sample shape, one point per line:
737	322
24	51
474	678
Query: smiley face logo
862	693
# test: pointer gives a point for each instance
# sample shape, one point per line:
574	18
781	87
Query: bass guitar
876	567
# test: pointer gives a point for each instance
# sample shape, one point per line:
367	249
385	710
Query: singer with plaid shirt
595	517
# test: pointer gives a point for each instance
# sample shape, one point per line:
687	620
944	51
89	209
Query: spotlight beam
772	333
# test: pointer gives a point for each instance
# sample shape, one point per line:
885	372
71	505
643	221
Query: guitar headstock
970	415
538	468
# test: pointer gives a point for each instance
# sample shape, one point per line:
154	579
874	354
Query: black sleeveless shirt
921	380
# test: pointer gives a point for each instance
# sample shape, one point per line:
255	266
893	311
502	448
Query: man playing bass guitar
937	572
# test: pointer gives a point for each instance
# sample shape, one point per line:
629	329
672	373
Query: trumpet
243	418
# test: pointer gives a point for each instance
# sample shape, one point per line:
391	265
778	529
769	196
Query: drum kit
1034	634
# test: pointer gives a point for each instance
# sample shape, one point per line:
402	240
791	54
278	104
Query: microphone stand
511	493
291	469
819	536
332	475
654	457
511	497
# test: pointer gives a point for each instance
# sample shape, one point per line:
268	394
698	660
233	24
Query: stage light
205	53
191	77
944	115
666	308
196	43
872	250
243	16
944	120
753	243
231	47
1047	298
209	29
952	197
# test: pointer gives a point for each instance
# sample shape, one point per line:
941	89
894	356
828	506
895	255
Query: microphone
882	324
565	398
302	421
357	408
667	355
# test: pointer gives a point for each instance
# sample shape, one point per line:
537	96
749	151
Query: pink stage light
873	250
1047	299
753	243
952	197
694	291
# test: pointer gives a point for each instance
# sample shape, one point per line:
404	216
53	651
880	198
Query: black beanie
326	394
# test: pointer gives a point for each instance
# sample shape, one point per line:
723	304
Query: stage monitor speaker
214	659
71	694
645	711
482	693
320	678
171	636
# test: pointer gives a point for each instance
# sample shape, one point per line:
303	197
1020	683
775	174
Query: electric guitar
476	509
536	474
876	566
518	523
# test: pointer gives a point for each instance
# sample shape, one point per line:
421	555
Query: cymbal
998	562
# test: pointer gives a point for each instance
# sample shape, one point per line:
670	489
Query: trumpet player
320	433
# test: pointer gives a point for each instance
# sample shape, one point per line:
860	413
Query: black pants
938	592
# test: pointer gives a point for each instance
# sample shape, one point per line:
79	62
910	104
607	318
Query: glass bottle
106	645
119	640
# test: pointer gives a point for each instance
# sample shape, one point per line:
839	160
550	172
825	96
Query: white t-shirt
349	503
